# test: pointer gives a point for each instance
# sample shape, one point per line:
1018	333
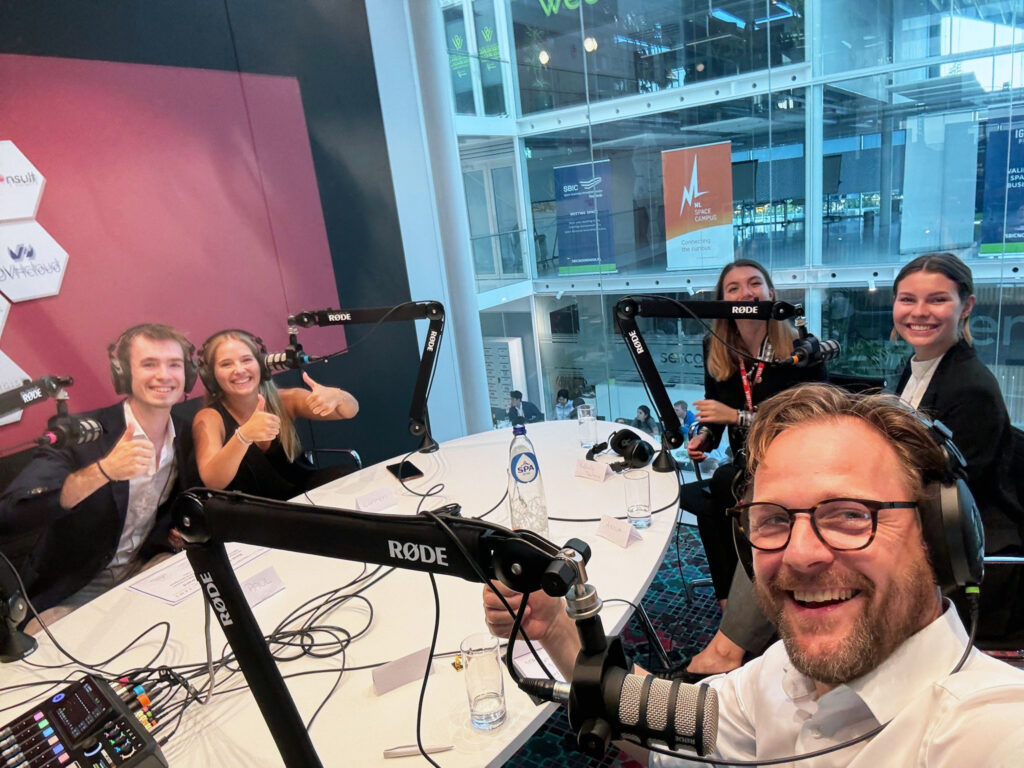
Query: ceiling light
589	44
544	58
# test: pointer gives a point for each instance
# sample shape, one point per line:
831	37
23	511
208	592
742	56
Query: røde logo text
339	317
633	337
431	341
421	553
745	310
33	394
216	601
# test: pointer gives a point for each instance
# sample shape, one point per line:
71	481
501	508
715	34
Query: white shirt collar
928	655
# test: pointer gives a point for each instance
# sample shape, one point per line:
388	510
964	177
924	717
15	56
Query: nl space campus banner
584	213
1002	221
697	183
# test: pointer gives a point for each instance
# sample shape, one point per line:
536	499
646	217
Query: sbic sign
554	6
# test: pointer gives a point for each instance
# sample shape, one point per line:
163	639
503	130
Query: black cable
500	501
12	449
490	585
673	503
652	636
426	672
98	667
373	328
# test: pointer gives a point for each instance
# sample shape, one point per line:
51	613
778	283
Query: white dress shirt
975	718
921	372
145	494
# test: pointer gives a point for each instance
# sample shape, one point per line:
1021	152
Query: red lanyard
747	388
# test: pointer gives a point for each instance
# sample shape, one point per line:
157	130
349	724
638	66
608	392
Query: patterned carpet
683	627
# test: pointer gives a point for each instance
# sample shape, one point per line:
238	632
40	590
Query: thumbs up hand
129	457
261	426
321	400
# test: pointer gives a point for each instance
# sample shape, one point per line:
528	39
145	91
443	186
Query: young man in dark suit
105	505
522	411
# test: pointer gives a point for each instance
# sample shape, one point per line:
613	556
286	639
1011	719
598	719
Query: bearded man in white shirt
866	637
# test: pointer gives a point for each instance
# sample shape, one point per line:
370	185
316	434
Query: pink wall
182	196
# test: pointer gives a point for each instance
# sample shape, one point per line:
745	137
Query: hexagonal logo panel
32	263
21	185
11	377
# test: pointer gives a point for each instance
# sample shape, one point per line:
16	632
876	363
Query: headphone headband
634	450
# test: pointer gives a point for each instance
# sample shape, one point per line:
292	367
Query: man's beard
878	631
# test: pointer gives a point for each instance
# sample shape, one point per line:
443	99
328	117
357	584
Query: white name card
618	531
261	586
397	673
592	470
375	501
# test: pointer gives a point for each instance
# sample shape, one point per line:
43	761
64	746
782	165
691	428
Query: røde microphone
648	708
70	430
811	351
290	359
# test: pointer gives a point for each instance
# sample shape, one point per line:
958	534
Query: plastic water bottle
527	507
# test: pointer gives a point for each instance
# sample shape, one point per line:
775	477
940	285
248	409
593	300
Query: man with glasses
840	566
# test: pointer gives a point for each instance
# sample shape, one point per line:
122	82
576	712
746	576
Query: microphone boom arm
419	421
32	392
632	307
521	560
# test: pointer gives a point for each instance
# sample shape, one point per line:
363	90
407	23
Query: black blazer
965	396
531	413
78	543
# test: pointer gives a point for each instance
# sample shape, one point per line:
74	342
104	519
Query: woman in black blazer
945	380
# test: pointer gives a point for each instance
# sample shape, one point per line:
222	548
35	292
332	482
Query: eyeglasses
842	524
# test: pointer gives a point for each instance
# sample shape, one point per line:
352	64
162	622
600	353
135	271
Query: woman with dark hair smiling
933	297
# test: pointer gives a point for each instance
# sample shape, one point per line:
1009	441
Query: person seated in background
245	437
644	421
686	417
840	564
933	296
105	505
563	408
522	411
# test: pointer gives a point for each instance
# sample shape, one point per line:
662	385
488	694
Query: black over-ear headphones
120	366
206	374
950	521
634	450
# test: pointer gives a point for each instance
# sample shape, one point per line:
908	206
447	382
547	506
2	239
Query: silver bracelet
242	438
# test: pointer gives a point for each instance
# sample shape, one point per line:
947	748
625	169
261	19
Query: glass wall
477	57
831	142
569	52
